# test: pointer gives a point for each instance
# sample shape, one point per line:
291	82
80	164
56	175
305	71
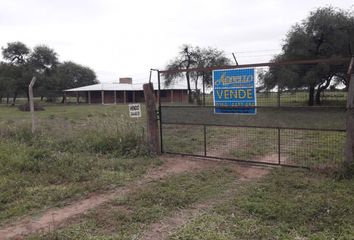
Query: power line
260	55
254	51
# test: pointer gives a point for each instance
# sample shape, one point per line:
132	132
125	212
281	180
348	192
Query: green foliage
327	32
16	53
52	77
194	57
43	59
67	75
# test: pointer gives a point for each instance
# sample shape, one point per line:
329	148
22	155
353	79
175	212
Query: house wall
176	96
180	96
96	97
166	96
139	96
120	96
108	97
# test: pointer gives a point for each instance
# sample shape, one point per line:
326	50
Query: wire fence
276	146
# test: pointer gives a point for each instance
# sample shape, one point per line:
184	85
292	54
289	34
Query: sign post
233	88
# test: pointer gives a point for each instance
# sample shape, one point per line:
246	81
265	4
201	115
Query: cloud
123	38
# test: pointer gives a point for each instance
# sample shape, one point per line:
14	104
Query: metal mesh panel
313	118
254	144
183	139
312	147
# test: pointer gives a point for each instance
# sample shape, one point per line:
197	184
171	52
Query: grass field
287	204
127	218
80	149
75	150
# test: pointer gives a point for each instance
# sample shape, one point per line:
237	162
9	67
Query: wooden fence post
349	148
152	126
31	103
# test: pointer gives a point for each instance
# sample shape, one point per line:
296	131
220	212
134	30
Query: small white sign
135	110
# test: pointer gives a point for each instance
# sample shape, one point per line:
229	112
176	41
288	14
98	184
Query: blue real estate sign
233	88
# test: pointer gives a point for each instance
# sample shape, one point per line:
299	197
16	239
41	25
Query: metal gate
285	131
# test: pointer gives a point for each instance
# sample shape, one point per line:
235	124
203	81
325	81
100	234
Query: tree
7	81
43	60
16	53
23	64
9	77
326	33
75	75
69	75
194	57
185	60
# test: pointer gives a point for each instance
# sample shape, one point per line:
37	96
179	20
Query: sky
126	38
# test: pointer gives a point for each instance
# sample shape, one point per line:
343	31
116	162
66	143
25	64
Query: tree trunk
0	99
63	99
28	97
197	93
190	99
14	99
319	91
311	96
7	99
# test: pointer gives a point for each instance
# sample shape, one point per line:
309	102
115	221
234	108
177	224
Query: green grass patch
287	204
126	218
75	150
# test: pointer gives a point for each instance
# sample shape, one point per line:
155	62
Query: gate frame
349	146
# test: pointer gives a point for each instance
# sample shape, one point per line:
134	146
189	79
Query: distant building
126	92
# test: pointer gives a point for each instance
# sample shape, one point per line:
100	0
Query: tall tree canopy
325	33
68	75
16	53
22	63
194	57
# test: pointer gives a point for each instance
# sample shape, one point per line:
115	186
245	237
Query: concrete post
349	148
115	97
102	97
31	102
153	138
77	97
